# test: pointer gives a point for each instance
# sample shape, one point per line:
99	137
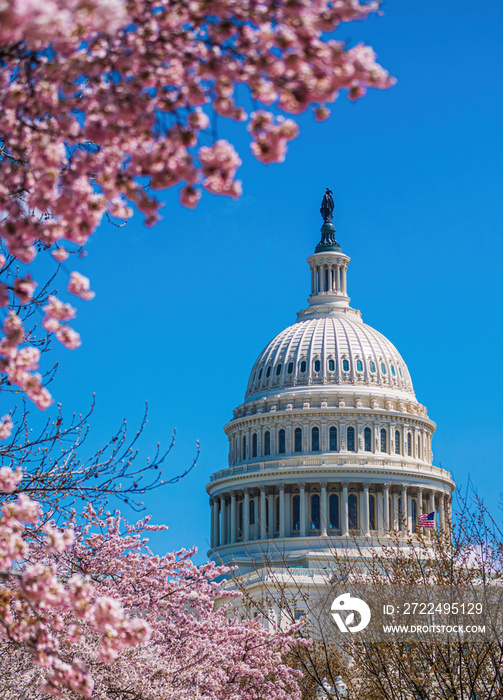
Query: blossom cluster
99	97
42	607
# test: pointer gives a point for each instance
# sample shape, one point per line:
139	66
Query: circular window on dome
331	365
317	365
359	365
393	372
372	366
383	368
303	366
260	374
290	368
268	373
345	365
278	370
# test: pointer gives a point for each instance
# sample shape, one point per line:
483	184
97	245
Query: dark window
352	511
400	371
345	365
260	374
383	368
397	442
267	517
372	512
317	365
384	440
281	441
295	512
303	366
315	439
409	444
290	367
332	439
326	280
393	370
254	444
244	446
298	440
267	443
351	439
278	370
331	365
315	512
276	524
252	512
268	373
367	436
334	511
413	514
359	365
372	366
240	519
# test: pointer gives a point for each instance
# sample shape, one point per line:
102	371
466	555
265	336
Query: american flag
427	520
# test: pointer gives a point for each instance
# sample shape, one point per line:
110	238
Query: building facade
330	447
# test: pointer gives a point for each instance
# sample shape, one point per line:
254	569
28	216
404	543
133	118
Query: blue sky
182	310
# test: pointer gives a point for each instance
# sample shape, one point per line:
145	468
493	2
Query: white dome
338	349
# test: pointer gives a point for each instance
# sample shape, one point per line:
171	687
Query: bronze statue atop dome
327	205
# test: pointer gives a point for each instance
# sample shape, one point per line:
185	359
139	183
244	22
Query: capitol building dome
330	447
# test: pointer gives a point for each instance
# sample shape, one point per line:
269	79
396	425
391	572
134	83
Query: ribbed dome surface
338	349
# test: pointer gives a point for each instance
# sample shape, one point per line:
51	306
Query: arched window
303	366
384	440
333	512
254	444
393	370
244	446
359	366
315	512
296	513
409	444
281	441
315	439
383	368
260	373
372	512
298	440
317	365
413	514
367	438
331	365
290	367
278	370
268	373
251	519
332	439
353	511
351	439
345	365
240	518
267	443
397	442
372	366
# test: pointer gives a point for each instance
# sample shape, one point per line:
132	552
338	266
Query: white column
246	516
338	278
441	513
386	523
282	510
419	503
396	515
233	518
223	520
214	523
344	510
366	512
343	279
403	514
272	513
313	281
432	503
409	513
302	511
263	525
323	509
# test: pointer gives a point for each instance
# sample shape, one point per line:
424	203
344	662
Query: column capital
323	484
345	484
281	487
386	486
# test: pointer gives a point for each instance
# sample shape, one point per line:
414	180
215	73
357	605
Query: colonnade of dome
330	445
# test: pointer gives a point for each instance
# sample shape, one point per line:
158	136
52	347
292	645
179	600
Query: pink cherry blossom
79	285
